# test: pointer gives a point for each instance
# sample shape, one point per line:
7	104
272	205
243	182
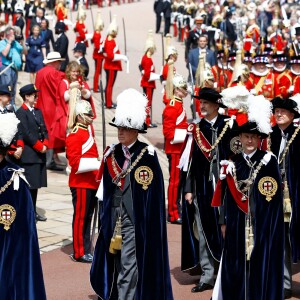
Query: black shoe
152	126
200	287
287	294
86	258
54	167
178	221
40	218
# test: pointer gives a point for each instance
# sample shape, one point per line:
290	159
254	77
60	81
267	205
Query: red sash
204	142
235	192
113	174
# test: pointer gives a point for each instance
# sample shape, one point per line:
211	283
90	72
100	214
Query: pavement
65	279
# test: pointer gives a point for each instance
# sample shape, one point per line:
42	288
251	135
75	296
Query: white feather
235	97
131	109
8	127
296	98
260	112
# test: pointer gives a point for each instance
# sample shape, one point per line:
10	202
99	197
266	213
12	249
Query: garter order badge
235	145
144	176
7	215
267	187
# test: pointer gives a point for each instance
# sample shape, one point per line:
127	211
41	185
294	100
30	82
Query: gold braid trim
286	149
123	174
203	148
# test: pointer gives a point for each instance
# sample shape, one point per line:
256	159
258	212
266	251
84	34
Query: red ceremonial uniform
147	67
81	144
277	41
111	67
98	57
296	83
283	82
47	82
80	31
59	125
264	85
61	13
222	77
252	36
174	117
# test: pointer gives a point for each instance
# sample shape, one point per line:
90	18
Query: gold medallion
267	187
143	175
7	215
235	145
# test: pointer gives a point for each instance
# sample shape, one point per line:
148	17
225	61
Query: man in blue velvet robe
21	274
131	261
209	142
250	191
285	144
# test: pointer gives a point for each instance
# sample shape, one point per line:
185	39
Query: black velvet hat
250	127
288	104
210	95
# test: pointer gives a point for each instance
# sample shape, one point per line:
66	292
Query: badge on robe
7	215
144	176
268	187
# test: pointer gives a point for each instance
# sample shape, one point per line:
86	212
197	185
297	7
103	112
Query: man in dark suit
193	57
79	54
167	10
158	9
61	45
47	34
35	136
39	15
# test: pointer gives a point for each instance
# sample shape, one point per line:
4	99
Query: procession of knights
229	124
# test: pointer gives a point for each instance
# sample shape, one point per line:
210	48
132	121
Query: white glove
154	76
291	88
253	92
118	57
88	36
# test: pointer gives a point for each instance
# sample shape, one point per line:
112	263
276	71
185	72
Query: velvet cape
266	262
21	274
150	233
292	161
202	188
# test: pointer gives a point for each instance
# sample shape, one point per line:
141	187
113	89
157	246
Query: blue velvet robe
265	280
292	161
202	188
21	274
150	233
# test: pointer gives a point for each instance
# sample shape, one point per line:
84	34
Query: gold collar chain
6	185
203	148
123	174
286	149
248	181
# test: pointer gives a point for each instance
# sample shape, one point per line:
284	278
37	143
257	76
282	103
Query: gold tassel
116	240
200	70
249	239
287	207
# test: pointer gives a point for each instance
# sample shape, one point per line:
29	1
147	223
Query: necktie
127	158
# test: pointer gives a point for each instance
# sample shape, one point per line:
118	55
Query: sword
163	49
94	227
6	68
103	116
124	32
192	106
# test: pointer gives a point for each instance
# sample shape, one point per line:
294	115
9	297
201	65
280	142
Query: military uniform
174	117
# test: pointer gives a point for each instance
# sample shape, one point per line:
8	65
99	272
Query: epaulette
172	102
75	129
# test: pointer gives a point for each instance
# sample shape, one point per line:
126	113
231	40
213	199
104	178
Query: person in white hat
47	82
132	245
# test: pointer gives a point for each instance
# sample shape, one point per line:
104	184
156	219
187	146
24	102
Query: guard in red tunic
112	61
98	56
262	78
252	33
61	12
80	29
174	130
282	76
82	154
168	73
221	71
295	72
149	76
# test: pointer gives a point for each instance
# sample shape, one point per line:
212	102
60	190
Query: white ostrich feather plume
296	98
131	109
235	97
8	127
260	112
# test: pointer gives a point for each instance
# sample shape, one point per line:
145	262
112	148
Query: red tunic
98	44
296	85
174	116
148	67
110	49
80	31
252	35
75	144
264	85
222	78
47	82
283	81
